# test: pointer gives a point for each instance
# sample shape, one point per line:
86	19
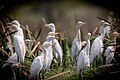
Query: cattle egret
12	58
106	26
49	55
83	43
97	45
57	50
76	45
83	59
51	26
37	64
109	52
16	26
19	43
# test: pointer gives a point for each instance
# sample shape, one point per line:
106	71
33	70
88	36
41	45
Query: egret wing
96	48
19	47
80	62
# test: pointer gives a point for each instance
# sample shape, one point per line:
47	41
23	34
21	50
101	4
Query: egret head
15	22
89	34
50	37
47	44
80	24
14	25
102	25
114	34
51	26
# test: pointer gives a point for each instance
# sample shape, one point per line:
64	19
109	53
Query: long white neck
53	29
79	35
45	52
88	46
102	35
114	41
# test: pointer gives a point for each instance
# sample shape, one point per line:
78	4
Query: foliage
89	73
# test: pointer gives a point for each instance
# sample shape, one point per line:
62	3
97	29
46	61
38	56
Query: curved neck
79	35
88	46
45	52
114	40
53	30
102	35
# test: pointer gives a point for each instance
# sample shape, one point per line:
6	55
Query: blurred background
63	13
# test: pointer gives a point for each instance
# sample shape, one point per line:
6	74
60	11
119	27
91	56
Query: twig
114	72
34	49
31	41
44	21
27	28
95	30
58	75
4	52
10	33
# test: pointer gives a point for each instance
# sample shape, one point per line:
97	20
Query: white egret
109	52
19	43
12	58
97	45
49	55
77	45
38	62
83	59
10	66
106	26
57	50
16	26
83	43
51	26
107	30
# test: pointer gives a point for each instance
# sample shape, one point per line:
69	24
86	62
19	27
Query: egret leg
115	61
97	62
43	75
39	75
14	75
80	74
14	67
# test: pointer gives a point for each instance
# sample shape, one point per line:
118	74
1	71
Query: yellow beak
46	25
53	33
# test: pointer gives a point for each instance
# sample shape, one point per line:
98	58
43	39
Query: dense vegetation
67	71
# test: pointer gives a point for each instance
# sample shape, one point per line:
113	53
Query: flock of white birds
81	56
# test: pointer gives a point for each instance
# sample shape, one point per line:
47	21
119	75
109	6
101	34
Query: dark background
110	4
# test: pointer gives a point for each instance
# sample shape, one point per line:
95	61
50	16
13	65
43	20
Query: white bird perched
107	30
16	26
77	45
83	59
109	52
12	58
107	27
57	50
37	64
97	45
19	43
49	55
